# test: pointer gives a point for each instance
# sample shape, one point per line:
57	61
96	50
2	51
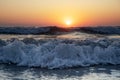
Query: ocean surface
12	72
69	56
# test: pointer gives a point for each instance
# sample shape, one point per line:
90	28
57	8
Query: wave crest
59	54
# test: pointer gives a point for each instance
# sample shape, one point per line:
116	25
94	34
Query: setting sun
68	22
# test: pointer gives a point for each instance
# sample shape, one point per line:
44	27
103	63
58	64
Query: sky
60	12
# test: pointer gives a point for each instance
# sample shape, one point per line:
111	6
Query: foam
60	53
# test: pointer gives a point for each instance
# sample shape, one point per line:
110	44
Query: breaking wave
55	30
59	53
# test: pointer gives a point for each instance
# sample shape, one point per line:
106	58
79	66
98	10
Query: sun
68	22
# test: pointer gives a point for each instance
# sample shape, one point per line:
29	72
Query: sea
67	56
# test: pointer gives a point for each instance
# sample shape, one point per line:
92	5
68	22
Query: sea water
97	57
12	72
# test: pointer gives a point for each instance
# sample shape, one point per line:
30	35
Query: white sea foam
61	53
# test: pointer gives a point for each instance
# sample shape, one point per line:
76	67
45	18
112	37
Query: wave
60	53
101	30
32	30
58	30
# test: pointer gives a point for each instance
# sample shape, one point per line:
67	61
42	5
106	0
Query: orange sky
57	12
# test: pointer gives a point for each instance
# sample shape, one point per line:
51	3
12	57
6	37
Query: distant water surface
72	35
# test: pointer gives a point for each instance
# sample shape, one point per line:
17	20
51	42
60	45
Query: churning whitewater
60	53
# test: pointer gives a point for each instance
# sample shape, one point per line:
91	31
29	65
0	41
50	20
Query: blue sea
67	56
12	72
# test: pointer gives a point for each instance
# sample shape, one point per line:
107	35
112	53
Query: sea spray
59	54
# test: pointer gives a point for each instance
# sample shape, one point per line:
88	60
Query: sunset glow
68	23
53	12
